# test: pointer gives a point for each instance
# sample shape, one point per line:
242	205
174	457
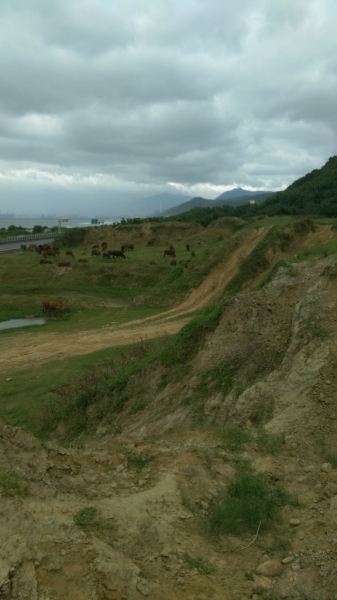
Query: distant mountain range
234	197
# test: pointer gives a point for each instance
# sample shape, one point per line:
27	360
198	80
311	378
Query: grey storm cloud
143	96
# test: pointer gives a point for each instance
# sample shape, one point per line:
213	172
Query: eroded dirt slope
149	522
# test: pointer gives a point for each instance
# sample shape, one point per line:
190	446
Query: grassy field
105	291
25	395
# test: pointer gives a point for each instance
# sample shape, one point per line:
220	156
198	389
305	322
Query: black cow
116	253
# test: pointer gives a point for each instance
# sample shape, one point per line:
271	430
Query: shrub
249	503
11	483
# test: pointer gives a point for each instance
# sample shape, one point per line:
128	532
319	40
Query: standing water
11	323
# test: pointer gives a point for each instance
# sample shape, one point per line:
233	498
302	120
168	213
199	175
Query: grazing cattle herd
57	306
53	252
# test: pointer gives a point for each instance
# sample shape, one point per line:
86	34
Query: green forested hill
313	194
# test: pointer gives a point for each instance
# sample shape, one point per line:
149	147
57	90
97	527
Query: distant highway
15	246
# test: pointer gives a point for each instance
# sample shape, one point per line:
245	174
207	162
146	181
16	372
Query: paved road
15	246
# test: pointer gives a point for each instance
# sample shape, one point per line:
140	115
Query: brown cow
151	241
106	255
127	247
44	261
173	263
169	253
192	254
51	252
32	247
83	260
63	264
45	247
83	249
95	247
70	253
95	252
187	247
171	247
152	262
104	245
56	305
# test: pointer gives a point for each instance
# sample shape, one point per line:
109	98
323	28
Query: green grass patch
269	443
220	377
135	461
234	438
197	563
249	503
91	522
185	344
257	261
11	483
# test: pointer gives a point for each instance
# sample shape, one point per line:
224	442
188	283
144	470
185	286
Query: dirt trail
22	350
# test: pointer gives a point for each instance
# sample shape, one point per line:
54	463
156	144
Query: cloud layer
133	96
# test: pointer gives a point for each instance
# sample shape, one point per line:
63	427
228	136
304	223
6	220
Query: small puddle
116	302
11	323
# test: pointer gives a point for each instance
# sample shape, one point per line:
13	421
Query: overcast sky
105	100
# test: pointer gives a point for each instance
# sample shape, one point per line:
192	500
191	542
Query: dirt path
21	351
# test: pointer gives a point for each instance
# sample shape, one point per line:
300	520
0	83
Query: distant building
7	215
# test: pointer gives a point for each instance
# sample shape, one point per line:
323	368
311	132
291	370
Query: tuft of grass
11	483
248	503
197	563
221	377
234	438
89	520
138	462
269	443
